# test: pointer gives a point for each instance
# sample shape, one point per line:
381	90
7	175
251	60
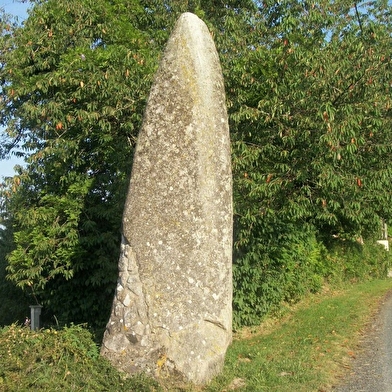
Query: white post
384	229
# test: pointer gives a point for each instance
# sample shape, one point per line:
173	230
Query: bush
59	360
283	274
267	277
349	261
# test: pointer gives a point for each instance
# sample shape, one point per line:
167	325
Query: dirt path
372	369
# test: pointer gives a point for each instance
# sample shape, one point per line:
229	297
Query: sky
19	9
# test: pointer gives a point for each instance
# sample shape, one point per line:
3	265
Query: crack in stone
216	323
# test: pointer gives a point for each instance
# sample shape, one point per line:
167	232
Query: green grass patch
306	349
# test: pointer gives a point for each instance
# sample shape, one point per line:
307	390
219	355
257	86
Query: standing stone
172	313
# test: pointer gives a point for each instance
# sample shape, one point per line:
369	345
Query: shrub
59	360
268	276
349	261
287	271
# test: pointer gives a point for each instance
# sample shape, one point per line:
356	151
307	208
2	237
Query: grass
306	349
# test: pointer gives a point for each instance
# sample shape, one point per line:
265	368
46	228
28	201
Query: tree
310	110
14	306
308	93
74	84
73	99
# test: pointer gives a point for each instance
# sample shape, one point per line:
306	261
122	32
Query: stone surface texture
172	312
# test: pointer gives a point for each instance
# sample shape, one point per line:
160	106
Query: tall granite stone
171	316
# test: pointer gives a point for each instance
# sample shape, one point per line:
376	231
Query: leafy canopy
308	94
73	83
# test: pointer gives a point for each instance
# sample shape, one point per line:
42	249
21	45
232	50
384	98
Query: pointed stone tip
189	18
189	15
192	45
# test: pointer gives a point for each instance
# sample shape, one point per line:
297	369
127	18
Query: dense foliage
74	87
59	360
14	303
308	93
